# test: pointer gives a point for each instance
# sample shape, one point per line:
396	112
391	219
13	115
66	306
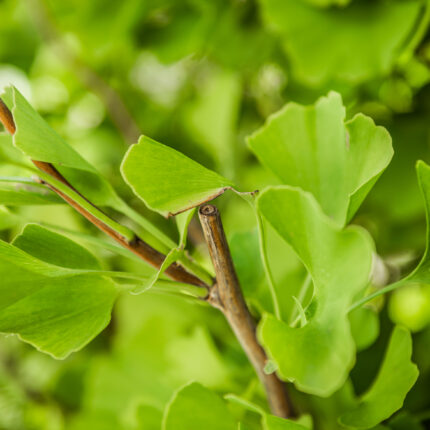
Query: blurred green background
201	75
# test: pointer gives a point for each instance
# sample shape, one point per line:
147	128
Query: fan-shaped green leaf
56	315
318	356
396	377
56	309
168	181
312	147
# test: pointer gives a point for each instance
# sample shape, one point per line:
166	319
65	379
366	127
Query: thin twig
139	247
6	118
227	296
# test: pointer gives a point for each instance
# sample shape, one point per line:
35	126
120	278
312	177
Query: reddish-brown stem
6	118
227	296
137	245
175	271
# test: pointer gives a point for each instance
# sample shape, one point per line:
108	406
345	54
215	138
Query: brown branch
155	258
139	247
227	296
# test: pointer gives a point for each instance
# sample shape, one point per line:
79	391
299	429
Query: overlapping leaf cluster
200	76
327	165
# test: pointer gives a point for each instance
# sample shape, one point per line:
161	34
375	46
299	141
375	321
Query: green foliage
168	181
195	407
318	356
212	117
321	105
343	34
44	244
387	393
56	307
47	146
37	140
311	147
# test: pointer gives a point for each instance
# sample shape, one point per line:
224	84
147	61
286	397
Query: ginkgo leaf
312	147
342	37
56	315
168	181
56	309
195	407
396	377
318	356
44	244
38	141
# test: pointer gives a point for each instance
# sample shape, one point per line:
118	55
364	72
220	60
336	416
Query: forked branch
139	247
227	296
